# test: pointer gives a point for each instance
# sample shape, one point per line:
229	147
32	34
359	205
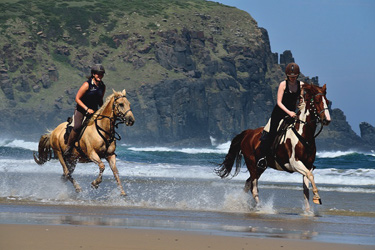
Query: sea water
178	188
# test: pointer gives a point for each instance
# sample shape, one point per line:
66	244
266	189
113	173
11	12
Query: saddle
69	128
281	132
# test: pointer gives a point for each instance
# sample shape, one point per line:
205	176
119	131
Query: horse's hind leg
67	174
252	182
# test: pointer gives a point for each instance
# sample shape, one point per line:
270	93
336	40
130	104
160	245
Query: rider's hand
90	111
292	114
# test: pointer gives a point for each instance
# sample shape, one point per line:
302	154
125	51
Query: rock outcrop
367	133
192	72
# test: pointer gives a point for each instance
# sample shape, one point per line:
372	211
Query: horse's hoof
93	185
123	194
64	178
317	201
78	190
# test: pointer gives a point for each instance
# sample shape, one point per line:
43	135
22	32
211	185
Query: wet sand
43	237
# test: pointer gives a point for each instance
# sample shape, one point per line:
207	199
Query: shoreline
43	237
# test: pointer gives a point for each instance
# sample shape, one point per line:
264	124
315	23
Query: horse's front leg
306	193
112	163
307	176
99	179
316	198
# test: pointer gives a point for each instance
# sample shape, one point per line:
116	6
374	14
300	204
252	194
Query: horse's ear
124	92
324	88
114	91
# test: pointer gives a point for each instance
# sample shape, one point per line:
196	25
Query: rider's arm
280	94
82	90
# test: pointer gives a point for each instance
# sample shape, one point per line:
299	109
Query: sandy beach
43	237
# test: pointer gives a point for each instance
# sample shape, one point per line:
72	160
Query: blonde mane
107	100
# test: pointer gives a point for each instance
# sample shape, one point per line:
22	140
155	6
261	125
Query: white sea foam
219	149
19	144
333	154
348	177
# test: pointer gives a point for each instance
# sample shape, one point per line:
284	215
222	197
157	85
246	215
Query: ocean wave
337	154
363	178
219	149
16	143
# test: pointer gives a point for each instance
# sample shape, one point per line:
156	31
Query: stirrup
262	163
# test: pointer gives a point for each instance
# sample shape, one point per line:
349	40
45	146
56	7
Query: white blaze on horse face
326	112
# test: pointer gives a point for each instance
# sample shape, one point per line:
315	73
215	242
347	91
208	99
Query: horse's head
121	108
317	102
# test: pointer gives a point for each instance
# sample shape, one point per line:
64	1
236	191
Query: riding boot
264	150
72	139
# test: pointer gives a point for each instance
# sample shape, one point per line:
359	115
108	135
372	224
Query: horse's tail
44	153
234	154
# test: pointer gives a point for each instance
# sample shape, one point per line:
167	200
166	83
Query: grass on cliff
90	25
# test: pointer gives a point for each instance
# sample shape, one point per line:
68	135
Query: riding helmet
97	69
292	69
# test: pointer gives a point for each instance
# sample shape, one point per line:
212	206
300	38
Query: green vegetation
70	35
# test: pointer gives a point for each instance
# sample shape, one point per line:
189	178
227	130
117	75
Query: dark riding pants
78	120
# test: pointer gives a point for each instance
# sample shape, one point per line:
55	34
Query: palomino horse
294	153
97	141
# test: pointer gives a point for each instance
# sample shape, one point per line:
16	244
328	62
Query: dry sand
46	237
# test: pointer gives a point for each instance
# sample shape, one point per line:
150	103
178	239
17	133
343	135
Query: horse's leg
316	198
306	193
112	163
300	168
67	174
252	182
99	179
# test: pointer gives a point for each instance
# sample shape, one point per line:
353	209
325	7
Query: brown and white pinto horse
98	140
294	153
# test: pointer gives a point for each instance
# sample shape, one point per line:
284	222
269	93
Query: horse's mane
99	111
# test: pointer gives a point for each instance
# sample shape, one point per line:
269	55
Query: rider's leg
267	140
264	147
78	118
72	139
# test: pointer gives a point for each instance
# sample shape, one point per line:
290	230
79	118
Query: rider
89	98
287	96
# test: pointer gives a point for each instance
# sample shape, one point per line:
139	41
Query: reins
316	119
112	134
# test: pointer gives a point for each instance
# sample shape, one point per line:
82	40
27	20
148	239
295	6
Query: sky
331	39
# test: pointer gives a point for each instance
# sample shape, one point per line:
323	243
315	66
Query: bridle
316	119
121	116
114	121
315	113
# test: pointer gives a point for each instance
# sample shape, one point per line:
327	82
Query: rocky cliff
193	70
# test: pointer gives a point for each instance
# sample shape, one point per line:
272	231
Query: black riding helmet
97	69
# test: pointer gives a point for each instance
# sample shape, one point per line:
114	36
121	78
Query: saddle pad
268	125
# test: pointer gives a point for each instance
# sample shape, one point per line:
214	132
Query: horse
295	152
97	140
